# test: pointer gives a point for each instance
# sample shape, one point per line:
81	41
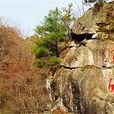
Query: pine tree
51	33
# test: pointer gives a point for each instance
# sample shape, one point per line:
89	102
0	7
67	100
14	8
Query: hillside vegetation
22	88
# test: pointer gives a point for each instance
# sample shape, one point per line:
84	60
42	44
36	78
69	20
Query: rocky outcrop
87	88
79	57
83	91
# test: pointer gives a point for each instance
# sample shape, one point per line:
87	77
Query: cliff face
87	87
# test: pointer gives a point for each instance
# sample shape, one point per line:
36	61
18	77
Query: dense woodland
22	87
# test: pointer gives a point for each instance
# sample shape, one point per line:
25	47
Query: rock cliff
86	86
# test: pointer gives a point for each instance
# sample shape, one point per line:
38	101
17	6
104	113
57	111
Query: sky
26	14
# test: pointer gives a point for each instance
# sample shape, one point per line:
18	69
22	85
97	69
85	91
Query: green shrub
53	61
41	52
39	63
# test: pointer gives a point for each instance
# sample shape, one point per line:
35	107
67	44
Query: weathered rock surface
86	89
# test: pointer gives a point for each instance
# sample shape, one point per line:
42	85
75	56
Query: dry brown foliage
22	84
28	93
